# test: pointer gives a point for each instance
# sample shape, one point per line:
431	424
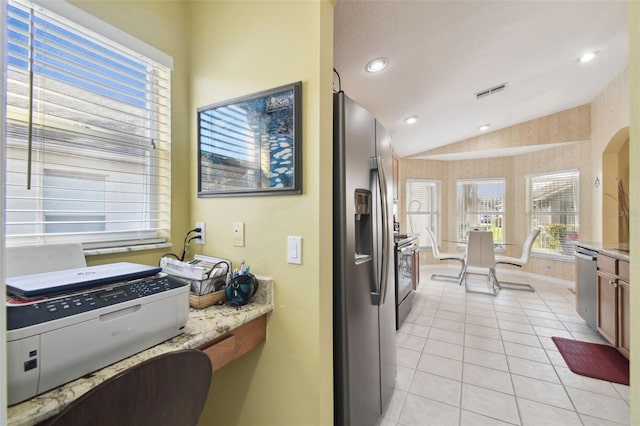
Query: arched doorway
615	189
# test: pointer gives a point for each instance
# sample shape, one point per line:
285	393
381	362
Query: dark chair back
167	390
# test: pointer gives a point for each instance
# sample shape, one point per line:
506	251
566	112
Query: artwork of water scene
251	145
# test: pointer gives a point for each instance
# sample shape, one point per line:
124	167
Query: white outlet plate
202	233
238	234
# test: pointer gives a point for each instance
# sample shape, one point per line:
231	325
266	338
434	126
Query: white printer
64	324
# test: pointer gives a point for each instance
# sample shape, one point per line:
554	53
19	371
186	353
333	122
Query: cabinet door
607	307
624	322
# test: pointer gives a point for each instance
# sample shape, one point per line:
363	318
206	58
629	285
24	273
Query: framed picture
252	145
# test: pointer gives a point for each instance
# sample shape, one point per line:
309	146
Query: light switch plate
238	234
294	250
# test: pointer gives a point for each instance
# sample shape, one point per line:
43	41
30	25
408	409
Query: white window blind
88	136
554	208
423	206
481	205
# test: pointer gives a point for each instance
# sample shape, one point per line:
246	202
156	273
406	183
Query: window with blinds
481	205
88	136
554	207
423	206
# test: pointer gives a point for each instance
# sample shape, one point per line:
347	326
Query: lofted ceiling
441	53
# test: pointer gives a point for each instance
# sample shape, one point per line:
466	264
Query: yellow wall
238	48
222	50
634	190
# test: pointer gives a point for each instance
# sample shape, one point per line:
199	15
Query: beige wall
634	190
238	48
222	50
569	125
591	128
564	126
609	117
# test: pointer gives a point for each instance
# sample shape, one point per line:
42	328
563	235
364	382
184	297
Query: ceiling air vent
490	91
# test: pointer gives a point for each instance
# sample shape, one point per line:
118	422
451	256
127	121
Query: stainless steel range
405	249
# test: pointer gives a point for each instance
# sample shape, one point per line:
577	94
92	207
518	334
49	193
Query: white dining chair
480	257
459	257
519	261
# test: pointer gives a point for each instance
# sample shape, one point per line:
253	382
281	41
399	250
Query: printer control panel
44	310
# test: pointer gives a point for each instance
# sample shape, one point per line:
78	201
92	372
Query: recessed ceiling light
587	57
411	120
377	64
484	127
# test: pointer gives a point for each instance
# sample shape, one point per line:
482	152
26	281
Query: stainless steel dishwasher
586	285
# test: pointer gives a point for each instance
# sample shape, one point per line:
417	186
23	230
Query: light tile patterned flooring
472	359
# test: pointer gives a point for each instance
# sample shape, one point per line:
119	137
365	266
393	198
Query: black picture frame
251	145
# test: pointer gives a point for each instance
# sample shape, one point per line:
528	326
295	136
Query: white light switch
294	250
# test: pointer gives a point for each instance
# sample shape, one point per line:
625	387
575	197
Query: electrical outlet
202	234
238	234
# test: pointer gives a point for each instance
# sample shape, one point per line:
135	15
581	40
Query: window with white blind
481	205
423	206
554	207
88	133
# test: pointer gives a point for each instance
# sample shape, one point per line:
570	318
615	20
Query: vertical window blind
554	208
88	136
423	206
481	205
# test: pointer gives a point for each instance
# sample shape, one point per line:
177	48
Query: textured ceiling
442	52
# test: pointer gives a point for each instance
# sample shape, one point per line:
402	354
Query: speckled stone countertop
618	251
203	326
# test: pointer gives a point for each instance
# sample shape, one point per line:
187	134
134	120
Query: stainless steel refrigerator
363	281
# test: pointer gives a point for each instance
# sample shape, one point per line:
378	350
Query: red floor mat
594	360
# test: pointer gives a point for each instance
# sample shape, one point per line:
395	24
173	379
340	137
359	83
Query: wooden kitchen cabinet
624	336
607	307
624	313
613	302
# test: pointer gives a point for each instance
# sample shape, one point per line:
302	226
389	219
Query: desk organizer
200	301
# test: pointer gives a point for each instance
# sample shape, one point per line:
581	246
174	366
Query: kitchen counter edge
620	251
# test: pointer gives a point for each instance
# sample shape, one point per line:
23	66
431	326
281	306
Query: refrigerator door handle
380	295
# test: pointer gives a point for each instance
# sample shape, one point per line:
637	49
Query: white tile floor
472	359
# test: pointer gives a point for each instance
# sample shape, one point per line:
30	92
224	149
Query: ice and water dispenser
363	225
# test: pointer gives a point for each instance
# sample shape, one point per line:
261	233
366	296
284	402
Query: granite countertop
203	326
619	251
